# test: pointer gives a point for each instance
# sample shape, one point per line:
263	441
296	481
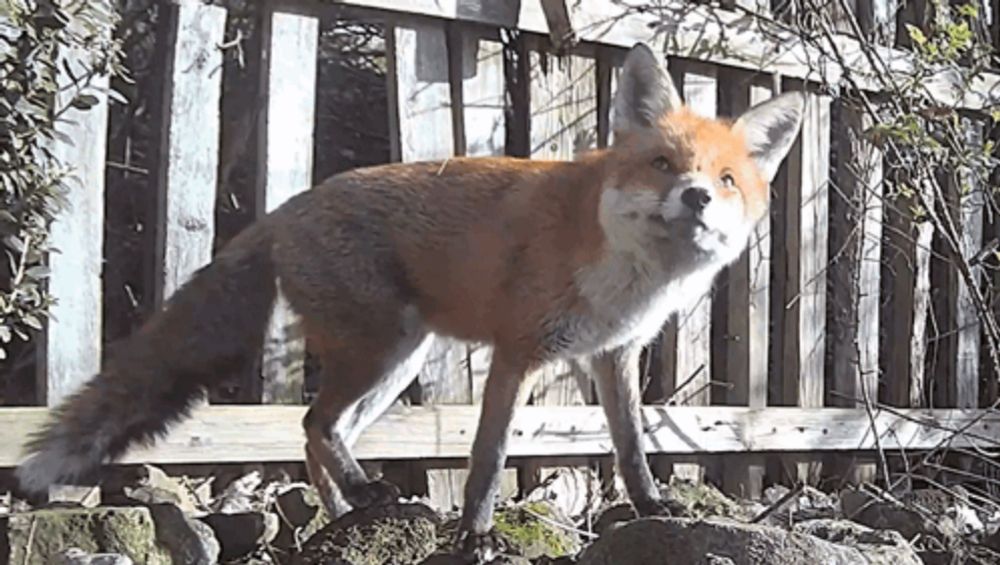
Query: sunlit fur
544	260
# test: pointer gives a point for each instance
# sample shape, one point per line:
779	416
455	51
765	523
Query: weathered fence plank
421	123
688	367
69	345
219	434
288	72
855	246
190	148
563	121
804	197
956	330
746	307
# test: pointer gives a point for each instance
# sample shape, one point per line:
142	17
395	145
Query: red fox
581	260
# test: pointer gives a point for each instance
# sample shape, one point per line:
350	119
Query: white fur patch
654	266
54	464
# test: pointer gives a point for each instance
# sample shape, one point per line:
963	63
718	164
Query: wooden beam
190	150
236	433
288	73
557	16
719	36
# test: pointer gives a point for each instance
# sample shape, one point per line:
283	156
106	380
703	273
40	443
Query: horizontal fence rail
220	434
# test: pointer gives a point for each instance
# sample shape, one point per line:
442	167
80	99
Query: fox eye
727	180
661	164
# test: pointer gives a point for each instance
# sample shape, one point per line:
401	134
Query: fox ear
645	91
770	128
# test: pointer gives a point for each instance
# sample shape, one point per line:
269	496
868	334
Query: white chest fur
627	301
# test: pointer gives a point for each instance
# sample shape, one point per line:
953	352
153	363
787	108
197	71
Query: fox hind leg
363	374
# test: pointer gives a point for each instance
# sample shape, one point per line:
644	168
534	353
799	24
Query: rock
239	534
691	499
302	515
156	487
669	541
613	516
532	529
189	540
394	533
240	496
878	546
38	537
77	556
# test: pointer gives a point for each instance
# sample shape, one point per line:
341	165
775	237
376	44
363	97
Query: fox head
682	181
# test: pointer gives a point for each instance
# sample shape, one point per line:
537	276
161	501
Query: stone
189	540
393	533
38	537
690	499
239	534
669	541
302	515
878	546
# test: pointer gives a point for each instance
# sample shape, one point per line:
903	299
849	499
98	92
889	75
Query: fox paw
372	493
479	549
652	507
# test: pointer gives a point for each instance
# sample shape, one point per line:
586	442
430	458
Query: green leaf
916	35
85	102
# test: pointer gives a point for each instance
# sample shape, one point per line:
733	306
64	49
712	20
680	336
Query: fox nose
696	198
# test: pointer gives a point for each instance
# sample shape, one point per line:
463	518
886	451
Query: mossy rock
398	533
38	537
691	499
534	537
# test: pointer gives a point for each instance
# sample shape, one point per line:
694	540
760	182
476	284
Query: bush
33	36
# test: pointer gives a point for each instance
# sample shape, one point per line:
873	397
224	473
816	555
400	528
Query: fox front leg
489	453
616	373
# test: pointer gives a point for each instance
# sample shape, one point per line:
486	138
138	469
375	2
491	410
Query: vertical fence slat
972	205
70	345
956	326
422	124
190	148
289	44
563	120
805	257
687	367
746	314
484	120
855	247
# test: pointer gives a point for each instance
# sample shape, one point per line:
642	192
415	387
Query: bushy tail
211	326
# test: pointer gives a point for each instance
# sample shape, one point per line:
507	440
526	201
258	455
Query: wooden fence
781	348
